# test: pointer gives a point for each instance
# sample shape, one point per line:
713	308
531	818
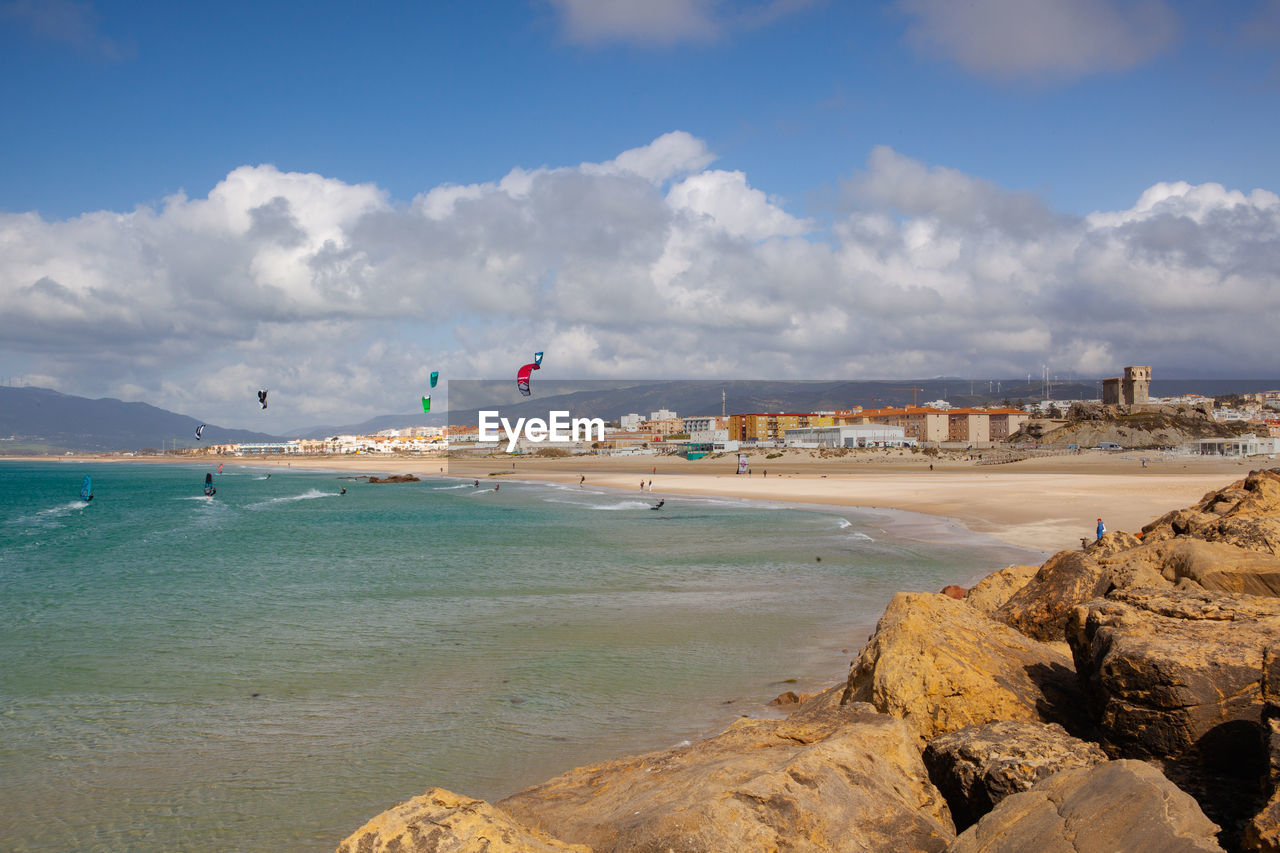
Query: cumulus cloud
1041	39
342	300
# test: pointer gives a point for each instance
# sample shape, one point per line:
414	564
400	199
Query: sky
333	199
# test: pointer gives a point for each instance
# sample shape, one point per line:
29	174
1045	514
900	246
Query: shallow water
268	668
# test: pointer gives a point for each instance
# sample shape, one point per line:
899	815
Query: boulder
1245	514
1177	675
1040	608
953	591
941	665
1115	805
441	821
978	766
829	777
996	588
1168	671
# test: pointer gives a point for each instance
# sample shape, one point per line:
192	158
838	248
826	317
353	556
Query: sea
268	668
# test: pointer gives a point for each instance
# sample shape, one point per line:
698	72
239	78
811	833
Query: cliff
1125	696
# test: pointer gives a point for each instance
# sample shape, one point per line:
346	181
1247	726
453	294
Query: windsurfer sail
86	489
209	490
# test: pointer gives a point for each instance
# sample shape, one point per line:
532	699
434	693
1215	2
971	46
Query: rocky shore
1121	697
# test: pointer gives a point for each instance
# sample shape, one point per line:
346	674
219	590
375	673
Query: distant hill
38	420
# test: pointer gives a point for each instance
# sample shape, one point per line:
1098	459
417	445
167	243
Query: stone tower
1137	385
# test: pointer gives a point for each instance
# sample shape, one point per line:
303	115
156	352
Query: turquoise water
269	668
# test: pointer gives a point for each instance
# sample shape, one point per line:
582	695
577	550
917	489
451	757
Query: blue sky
949	155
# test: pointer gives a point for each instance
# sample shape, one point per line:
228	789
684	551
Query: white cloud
655	21
1041	39
341	301
666	22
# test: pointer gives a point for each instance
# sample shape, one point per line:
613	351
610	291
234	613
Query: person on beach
1102	528
582	480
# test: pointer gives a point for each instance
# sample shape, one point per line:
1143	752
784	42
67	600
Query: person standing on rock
1102	528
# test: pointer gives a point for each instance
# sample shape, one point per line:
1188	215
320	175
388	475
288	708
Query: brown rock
826	778
1263	832
1177	675
1040	608
940	665
990	593
1116	805
953	591
978	766
395	478
441	821
1245	514
1165	670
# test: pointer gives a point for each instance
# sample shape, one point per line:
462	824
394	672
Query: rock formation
1116	805
441	821
829	777
978	766
941	665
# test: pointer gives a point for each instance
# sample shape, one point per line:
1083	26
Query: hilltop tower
1137	384
1133	389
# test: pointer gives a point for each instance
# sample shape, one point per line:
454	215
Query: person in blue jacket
1102	528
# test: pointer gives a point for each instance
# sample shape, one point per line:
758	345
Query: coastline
1045	504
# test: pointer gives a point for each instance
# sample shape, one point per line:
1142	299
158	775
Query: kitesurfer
497	486
344	491
659	504
582	480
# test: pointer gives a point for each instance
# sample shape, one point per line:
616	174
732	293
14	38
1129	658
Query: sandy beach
1046	503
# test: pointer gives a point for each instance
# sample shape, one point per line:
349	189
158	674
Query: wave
310	494
604	507
844	523
51	515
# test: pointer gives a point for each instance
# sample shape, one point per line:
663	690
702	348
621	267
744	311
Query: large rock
1176	675
827	778
1189	563
940	665
1245	514
441	821
1039	609
1168	671
990	593
978	766
1113	806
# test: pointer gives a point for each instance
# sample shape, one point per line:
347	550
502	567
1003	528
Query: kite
86	489
262	397
537	359
199	431
522	377
435	377
426	403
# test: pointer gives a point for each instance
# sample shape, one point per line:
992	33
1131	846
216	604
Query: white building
1244	445
663	415
708	436
853	435
631	422
699	423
